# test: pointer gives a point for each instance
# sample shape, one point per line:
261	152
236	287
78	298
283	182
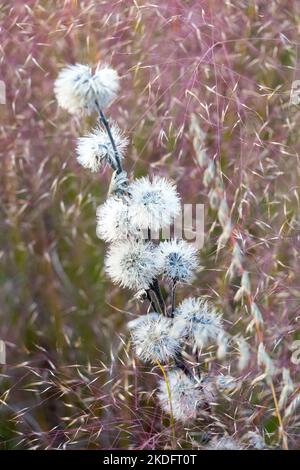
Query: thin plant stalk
105	122
173	295
281	428
156	289
170	400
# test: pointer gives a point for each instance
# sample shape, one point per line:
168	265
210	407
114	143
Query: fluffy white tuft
154	203
77	89
186	396
114	221
179	260
141	319
95	149
198	320
154	339
132	264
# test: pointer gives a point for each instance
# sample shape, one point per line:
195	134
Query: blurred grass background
70	380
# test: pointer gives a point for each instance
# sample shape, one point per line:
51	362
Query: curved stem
281	428
170	400
156	289
106	125
173	294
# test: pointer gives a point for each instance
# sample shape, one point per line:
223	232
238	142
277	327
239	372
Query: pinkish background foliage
71	380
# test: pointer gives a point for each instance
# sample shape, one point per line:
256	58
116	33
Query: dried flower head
179	260
198	320
132	264
186	396
114	221
154	203
155	340
95	149
77	89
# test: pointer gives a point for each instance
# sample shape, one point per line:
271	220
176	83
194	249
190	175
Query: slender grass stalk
170	400
281	428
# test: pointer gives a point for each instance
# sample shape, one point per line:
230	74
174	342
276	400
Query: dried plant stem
152	301
173	295
105	122
281	428
170	400
156	289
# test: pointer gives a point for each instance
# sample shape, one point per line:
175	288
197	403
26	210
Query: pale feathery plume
114	221
223	213
222	343
236	266
179	260
132	264
198	141
95	149
245	288
198	320
256	313
154	339
214	198
224	443
186	396
226	234
264	360
155	204
287	389
77	89
257	317
290	410
209	174
244	353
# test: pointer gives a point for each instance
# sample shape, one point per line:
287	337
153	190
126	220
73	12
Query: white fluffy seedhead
114	222
179	260
133	324
154	203
154	339
198	320
95	149
132	264
186	396
77	89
